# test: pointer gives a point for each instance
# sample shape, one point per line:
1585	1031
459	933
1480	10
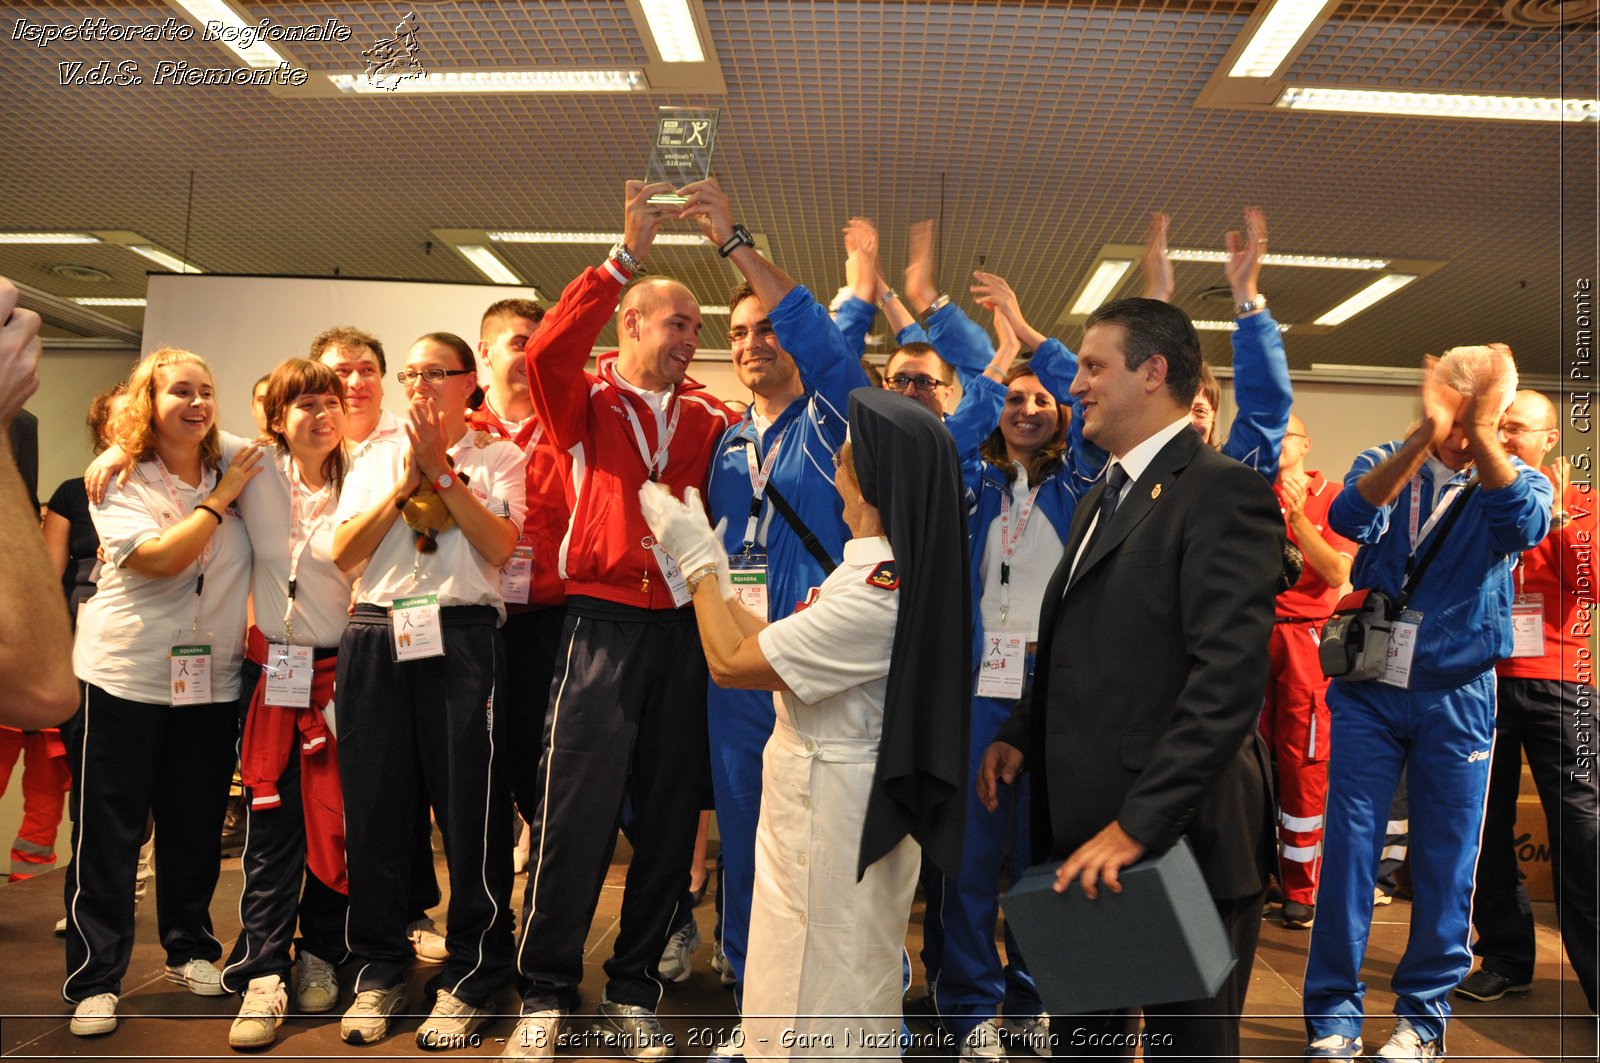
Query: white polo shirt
456	572
322	592
127	629
833	655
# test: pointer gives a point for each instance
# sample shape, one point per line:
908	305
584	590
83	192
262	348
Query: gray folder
1160	940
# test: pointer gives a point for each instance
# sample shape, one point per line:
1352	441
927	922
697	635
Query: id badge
1527	625
190	666
516	576
414	629
1402	646
288	671
749	575
673	576
1005	665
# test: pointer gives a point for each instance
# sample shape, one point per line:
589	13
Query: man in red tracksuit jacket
1295	721
627	713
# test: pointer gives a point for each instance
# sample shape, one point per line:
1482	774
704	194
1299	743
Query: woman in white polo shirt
290	769
866	768
158	649
418	669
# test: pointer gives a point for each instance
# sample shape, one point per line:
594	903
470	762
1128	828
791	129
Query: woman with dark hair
158	650
295	826
434	517
866	767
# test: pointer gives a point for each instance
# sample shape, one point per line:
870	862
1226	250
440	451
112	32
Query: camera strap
1414	574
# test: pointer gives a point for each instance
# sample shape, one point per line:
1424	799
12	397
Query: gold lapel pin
1155	492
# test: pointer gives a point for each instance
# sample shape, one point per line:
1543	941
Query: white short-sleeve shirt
127	629
322	592
1038	551
833	655
495	473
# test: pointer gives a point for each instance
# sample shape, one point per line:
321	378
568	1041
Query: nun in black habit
864	770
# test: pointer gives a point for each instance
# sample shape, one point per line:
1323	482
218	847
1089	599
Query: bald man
1546	707
1294	720
626	719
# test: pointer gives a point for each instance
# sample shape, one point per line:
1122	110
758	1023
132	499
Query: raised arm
1261	385
177	547
1157	267
35	643
492	534
560	349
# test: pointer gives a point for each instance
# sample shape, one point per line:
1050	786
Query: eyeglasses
901	382
756	335
1512	431
432	375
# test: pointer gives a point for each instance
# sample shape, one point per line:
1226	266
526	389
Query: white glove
683	531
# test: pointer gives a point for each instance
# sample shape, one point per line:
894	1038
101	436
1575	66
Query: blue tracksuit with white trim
1439	728
811	429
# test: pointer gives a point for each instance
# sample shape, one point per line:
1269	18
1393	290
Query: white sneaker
1407	1044
675	965
260	1014
636	1031
722	965
983	1042
1032	1033
200	976
316	985
61	927
519	859
451	1022
367	1020
94	1015
427	941
731	1047
535	1037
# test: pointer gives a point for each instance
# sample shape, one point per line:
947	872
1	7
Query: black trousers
279	890
1193	1029
1551	720
131	760
533	639
627	719
417	728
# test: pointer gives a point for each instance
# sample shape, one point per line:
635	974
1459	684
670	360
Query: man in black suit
1152	664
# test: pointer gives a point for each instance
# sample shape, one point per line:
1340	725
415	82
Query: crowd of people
892	643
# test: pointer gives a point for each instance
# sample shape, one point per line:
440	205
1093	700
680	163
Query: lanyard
1009	541
297	546
1439	510
653	464
493	423
758	484
205	552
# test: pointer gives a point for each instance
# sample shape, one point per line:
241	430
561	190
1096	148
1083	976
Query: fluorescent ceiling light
467	81
715	311
672	25
48	238
1275	36
1441	104
100	300
164	259
549	237
1189	254
233	30
1107	275
1381	288
1227	326
488	264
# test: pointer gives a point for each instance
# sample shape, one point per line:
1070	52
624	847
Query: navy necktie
1116	480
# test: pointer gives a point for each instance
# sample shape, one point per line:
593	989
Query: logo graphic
1477	755
392	60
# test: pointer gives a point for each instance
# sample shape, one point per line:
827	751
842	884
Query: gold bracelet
692	580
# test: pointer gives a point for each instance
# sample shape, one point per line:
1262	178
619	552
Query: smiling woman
158	650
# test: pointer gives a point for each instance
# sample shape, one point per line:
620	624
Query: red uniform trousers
1294	723
46	778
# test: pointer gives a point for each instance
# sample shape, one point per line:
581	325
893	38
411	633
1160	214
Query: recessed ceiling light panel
1440	104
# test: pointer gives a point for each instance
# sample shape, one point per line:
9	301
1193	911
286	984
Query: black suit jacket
1151	670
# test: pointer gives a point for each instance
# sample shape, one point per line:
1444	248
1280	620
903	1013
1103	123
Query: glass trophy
680	151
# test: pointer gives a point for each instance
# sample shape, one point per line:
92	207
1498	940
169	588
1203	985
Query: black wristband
741	238
211	511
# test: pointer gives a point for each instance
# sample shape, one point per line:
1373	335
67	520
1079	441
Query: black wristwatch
741	238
